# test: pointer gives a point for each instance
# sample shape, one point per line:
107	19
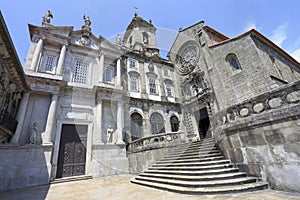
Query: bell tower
140	36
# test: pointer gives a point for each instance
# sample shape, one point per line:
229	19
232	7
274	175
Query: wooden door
72	151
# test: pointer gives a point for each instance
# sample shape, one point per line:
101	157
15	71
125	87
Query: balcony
8	126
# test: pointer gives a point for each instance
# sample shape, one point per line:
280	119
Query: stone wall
108	160
24	166
261	136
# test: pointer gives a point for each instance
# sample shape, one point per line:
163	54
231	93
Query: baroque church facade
91	107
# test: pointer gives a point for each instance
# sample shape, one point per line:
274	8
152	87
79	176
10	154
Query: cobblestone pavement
119	188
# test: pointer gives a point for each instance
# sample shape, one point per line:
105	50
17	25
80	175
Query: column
101	68
61	59
143	78
20	118
36	55
98	123
118	83
119	123
48	134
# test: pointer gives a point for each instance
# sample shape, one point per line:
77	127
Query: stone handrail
157	141
278	98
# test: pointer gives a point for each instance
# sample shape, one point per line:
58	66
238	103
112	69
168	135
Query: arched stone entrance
136	126
157	123
174	123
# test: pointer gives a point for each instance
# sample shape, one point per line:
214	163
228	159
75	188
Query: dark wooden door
72	151
136	124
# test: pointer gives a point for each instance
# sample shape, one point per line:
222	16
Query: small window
49	63
80	72
134	84
109	73
145	38
132	64
233	61
166	72
152	86
169	90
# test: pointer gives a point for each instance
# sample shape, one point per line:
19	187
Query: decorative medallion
188	60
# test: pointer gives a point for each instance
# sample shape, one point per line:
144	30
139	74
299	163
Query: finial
135	14
47	17
150	21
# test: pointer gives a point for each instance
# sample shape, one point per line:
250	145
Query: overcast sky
277	20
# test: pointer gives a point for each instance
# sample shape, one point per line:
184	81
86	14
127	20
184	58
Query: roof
12	57
260	36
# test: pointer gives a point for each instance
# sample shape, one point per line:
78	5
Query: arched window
233	61
174	123
136	126
145	38
157	123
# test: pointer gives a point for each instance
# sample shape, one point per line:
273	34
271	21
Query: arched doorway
157	123
136	126
174	123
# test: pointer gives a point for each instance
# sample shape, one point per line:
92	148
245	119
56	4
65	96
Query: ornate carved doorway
203	122
136	126
72	151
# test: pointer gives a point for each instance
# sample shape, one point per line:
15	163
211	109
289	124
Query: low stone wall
140	161
108	160
24	166
262	136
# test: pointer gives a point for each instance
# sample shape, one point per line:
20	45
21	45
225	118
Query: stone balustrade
262	105
157	141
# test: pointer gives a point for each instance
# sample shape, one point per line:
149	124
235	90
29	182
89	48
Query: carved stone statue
35	138
47	17
109	134
118	39
87	20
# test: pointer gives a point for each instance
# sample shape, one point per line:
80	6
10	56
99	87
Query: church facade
91	103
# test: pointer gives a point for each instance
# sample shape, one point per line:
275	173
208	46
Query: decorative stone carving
47	17
110	135
188	60
259	107
275	102
293	97
244	112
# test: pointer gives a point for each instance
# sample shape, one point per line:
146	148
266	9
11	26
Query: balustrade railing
157	141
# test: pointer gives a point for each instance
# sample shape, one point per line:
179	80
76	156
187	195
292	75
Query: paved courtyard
118	187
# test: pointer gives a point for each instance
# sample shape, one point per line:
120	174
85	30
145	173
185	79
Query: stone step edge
216	190
212	183
227	165
194	153
71	178
194	150
190	160
193	173
204	163
189	157
196	177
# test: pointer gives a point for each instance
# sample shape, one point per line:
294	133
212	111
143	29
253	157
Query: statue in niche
47	17
35	138
110	134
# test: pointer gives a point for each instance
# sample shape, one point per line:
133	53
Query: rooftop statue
87	20
47	17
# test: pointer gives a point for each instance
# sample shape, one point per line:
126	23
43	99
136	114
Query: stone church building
89	107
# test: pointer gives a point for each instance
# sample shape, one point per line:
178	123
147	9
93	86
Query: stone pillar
20	118
48	134
118	82
119	123
36	55
98	123
101	68
143	78
61	59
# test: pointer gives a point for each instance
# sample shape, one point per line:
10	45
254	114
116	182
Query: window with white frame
134	84
109	73
166	72
80	72
152	86
169	90
132	63
48	63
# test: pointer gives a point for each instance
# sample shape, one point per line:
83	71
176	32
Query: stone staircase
197	168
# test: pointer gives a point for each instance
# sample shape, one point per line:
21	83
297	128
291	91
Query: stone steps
197	168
